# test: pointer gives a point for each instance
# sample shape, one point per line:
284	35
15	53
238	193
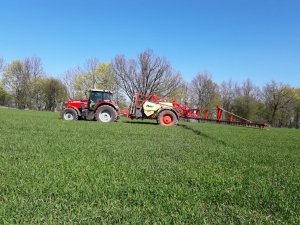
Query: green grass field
55	172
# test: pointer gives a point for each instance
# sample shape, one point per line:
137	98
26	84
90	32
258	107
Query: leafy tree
40	85
82	83
3	92
243	100
287	115
93	74
247	107
19	78
79	80
181	94
54	92
104	77
3	95
18	82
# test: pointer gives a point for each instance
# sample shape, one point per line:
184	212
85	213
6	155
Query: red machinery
99	106
167	112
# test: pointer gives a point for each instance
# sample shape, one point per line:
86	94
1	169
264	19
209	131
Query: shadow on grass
198	132
141	122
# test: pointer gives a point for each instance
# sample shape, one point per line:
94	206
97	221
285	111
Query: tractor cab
96	96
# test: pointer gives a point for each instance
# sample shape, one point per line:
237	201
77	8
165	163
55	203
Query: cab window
96	96
106	96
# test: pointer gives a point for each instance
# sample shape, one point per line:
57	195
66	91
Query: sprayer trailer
167	112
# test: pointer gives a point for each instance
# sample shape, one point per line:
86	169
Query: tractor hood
77	103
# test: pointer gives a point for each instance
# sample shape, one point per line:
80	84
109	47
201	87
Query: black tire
69	114
167	118
106	113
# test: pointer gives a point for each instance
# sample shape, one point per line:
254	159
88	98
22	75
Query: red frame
215	114
77	104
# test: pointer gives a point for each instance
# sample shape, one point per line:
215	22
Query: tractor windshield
100	96
107	96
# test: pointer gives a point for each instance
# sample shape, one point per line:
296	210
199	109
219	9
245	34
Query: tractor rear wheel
167	118
106	113
69	114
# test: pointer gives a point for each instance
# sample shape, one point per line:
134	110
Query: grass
54	172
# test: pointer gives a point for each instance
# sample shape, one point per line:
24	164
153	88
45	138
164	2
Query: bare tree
33	66
68	80
249	89
2	65
33	70
228	91
91	65
297	108
203	91
277	96
149	74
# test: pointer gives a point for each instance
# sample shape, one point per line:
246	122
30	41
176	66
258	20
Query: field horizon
55	171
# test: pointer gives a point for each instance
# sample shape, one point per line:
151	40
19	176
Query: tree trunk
273	115
297	120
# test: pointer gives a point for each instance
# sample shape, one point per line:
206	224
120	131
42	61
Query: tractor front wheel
69	114
167	118
106	114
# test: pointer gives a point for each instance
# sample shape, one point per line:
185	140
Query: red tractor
99	106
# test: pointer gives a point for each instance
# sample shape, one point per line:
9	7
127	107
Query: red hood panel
77	103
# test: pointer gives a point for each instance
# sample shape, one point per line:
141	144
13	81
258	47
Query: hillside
55	171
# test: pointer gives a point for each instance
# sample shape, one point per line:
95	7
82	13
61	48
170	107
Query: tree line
25	84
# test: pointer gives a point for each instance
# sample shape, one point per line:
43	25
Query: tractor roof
100	90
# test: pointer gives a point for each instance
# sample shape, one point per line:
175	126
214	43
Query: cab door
95	97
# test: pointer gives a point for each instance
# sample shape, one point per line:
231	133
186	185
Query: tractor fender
77	110
106	103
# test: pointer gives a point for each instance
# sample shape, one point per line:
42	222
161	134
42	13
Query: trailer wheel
167	118
69	114
106	113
